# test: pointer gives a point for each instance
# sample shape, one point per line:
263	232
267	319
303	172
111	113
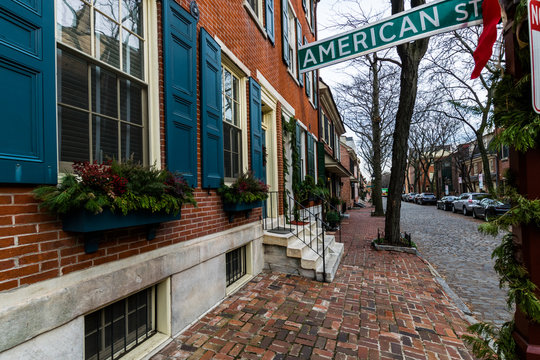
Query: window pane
73	24
133	55
105	139
235	88
107	44
227	115
74	137
104	95
253	4
108	7
236	119
132	143
72	80
131	102
132	15
227	86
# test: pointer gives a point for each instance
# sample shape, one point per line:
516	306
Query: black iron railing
292	219
326	204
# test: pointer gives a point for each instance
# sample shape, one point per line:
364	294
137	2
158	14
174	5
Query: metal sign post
419	22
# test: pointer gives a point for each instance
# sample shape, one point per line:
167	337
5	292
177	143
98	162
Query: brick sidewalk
382	305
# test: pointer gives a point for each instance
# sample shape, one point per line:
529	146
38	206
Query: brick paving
382	305
462	255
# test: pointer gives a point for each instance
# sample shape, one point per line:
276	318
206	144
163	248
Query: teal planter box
231	208
92	225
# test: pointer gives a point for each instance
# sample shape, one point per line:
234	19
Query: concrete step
333	258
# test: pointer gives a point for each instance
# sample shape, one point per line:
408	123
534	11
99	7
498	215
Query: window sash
232	157
128	136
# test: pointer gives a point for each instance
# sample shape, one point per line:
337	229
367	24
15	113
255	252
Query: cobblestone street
382	305
453	245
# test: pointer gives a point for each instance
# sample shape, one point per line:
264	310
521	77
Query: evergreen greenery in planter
246	189
119	187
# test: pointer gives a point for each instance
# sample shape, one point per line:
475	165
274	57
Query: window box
232	208
92	225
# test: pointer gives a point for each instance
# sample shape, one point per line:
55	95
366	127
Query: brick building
200	87
351	184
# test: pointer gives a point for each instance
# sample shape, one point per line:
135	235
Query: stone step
333	258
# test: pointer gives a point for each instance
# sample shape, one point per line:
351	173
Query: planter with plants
99	197
245	194
333	219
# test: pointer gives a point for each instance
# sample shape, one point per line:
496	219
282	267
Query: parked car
415	198
404	196
426	198
445	203
410	197
466	201
489	208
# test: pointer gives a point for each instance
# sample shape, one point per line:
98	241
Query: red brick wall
33	246
346	188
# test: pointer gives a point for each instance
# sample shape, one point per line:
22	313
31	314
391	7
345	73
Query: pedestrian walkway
381	305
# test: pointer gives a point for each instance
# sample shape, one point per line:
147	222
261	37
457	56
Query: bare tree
429	141
368	105
469	101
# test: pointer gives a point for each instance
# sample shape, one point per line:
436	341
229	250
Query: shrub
246	189
123	187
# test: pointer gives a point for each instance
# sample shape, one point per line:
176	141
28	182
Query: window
256	6
291	20
236	264
232	131
114	330
504	152
326	129
309	8
102	92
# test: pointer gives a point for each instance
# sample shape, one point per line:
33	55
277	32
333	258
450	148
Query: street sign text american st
419	22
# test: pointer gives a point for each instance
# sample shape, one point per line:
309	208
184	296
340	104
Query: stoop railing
292	220
325	204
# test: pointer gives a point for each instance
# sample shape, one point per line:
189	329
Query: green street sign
419	22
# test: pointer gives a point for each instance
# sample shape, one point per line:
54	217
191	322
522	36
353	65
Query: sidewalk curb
451	294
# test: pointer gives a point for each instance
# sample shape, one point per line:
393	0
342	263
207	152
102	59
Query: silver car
466	201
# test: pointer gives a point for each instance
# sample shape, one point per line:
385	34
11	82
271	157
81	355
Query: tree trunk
376	133
410	55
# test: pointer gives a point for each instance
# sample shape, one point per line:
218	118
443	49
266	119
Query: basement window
236	264
111	332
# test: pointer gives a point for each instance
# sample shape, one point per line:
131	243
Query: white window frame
309	15
235	286
253	13
151	126
243	118
291	22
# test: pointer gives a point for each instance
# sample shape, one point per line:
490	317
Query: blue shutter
285	30
211	112
28	152
299	147
270	28
304	5
315	87
180	62
299	43
320	161
308	76
311	156
255	115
